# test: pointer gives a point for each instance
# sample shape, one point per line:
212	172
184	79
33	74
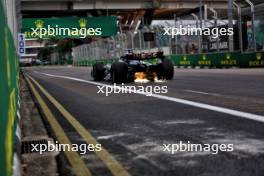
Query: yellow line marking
10	125
78	165
115	167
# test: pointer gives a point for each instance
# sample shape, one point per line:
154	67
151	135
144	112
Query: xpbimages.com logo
57	147
41	31
190	31
139	89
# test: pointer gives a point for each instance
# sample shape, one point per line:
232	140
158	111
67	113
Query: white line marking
112	136
204	93
18	115
245	115
18	132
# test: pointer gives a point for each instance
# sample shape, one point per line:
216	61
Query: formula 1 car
132	66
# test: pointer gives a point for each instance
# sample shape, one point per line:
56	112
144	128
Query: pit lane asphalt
134	127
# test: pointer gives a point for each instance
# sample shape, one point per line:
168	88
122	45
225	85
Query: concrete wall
9	91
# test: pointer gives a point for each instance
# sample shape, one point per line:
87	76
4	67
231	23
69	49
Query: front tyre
167	69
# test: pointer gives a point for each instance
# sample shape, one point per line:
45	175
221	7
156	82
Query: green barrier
252	60
215	60
220	60
9	77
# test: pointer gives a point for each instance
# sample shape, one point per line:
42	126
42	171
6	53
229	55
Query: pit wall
212	60
9	77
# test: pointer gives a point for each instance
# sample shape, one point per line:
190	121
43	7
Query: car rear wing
143	56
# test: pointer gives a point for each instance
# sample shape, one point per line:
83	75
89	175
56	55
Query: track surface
133	127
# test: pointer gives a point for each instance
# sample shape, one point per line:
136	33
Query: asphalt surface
133	127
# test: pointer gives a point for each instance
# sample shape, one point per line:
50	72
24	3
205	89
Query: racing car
128	68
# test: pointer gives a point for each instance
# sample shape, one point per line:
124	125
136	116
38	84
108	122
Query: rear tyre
98	72
167	69
119	72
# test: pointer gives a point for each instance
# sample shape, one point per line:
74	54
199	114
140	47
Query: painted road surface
203	106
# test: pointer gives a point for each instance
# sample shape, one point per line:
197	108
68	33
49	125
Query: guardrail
9	77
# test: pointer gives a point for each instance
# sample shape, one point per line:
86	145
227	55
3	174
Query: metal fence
116	46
